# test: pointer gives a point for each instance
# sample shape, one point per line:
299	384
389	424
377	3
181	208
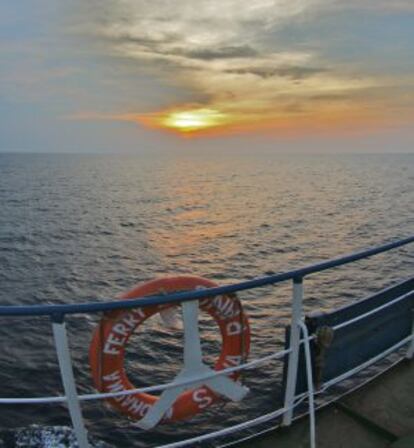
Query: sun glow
193	120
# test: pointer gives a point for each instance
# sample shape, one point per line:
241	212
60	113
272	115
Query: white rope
311	393
374	311
226	431
366	364
249	365
34	400
59	399
171	385
254	422
236	428
301	397
298	400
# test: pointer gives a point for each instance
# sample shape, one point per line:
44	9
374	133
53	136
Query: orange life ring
107	349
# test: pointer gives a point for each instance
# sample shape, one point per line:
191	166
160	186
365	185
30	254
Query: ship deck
379	415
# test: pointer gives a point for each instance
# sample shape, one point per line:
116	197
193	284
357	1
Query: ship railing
298	336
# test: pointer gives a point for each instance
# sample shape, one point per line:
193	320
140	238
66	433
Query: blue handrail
58	311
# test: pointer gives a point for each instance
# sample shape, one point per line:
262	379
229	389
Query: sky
138	75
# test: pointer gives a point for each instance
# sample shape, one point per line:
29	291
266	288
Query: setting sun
193	120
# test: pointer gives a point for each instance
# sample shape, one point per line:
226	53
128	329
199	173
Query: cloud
207	30
292	72
230	52
227	53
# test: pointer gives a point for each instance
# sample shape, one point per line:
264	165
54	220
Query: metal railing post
410	350
68	379
297	301
311	391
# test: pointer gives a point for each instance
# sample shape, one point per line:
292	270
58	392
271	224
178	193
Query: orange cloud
228	56
192	121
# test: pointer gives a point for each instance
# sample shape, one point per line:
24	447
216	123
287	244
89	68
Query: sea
76	228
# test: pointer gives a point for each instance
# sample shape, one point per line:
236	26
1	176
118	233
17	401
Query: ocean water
75	228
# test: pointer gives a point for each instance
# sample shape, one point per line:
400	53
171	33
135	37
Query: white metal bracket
193	368
66	374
